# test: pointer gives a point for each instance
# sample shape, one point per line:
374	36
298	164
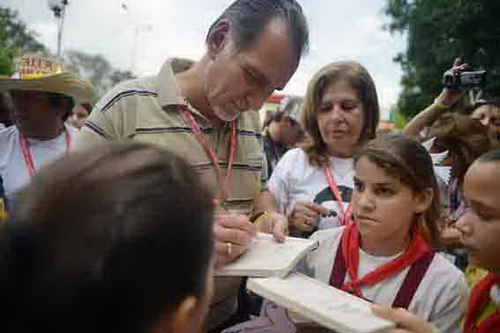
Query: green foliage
15	39
439	31
96	70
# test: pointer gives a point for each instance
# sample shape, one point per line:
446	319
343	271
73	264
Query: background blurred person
43	97
79	115
90	249
488	113
313	185
465	139
283	131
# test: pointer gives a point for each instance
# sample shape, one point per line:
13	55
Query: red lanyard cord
224	185
28	157
344	215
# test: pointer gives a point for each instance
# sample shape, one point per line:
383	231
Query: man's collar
169	93
168	90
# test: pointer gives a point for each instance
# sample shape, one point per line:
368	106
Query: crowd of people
115	216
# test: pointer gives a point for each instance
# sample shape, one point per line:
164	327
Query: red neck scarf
479	299
350	249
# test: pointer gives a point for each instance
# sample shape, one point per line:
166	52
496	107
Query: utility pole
58	8
138	29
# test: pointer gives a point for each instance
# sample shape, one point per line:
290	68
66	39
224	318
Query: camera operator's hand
448	97
443	102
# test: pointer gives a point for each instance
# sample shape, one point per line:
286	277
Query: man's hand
305	216
406	322
274	223
233	234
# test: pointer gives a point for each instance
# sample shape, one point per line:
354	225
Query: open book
266	257
320	303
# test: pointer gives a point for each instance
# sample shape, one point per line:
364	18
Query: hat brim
63	83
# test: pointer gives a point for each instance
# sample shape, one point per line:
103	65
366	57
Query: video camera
463	79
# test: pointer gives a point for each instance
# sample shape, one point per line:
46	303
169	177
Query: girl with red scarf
479	228
385	254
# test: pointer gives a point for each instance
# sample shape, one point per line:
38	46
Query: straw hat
40	74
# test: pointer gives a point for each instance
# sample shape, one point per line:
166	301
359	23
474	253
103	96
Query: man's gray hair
248	18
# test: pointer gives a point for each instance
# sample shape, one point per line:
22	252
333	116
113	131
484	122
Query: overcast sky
150	31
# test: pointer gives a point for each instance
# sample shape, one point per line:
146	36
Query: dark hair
249	18
359	79
410	163
464	138
106	240
494	101
6	105
87	106
492	156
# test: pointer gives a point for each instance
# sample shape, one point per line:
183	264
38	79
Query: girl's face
489	116
384	207
480	225
340	118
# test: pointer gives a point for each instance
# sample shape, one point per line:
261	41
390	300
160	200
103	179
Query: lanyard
223	184
350	249
28	157
344	215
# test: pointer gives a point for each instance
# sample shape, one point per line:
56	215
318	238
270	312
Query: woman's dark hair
410	163
464	138
106	240
249	18
360	80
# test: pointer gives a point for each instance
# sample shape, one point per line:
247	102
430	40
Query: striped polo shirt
147	110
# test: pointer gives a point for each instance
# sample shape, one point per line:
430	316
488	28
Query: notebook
266	257
320	303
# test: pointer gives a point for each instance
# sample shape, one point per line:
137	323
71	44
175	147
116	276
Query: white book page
266	257
321	303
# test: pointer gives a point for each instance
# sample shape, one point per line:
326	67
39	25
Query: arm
428	116
443	102
270	220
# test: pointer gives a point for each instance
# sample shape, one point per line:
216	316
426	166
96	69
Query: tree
439	31
15	39
96	70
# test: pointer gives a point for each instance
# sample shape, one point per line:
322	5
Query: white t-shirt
294	180
13	169
441	297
